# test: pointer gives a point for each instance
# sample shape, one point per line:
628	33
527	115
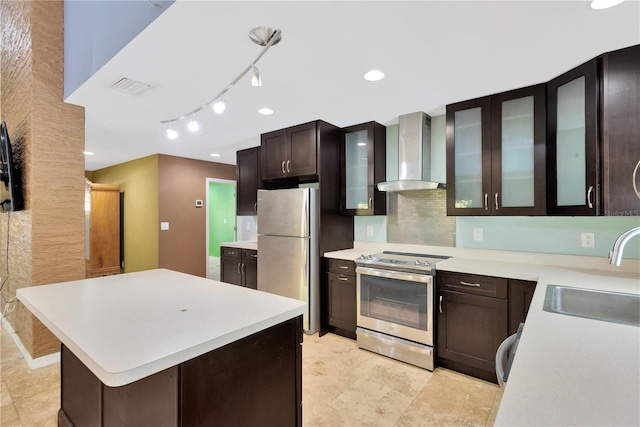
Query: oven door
396	303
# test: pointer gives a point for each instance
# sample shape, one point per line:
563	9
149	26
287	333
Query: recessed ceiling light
215	155
88	153
265	111
219	106
374	75
604	4
172	134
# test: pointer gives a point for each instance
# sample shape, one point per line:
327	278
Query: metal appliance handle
370	203
399	275
486	201
589	194
475	285
496	199
282	166
288	166
440	304
503	349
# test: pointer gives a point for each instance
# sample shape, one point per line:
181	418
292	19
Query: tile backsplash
420	217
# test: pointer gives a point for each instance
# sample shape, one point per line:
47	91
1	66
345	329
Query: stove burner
400	260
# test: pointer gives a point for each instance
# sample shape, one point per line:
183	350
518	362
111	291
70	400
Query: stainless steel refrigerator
288	259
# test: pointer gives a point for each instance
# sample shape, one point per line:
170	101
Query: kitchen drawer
487	286
228	252
249	255
345	278
342	266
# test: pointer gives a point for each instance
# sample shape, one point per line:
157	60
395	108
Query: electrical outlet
588	240
369	230
477	234
248	226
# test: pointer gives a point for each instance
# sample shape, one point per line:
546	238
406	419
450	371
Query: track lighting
256	80
262	36
219	106
193	126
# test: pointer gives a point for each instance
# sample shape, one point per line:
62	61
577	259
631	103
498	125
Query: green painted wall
138	179
556	235
222	215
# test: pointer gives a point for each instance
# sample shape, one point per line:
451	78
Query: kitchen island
165	348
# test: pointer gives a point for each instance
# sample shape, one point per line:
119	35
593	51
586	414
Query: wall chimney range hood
414	155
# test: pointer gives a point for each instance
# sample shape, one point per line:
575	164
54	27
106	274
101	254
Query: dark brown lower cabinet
470	329
474	314
239	267
339	310
255	381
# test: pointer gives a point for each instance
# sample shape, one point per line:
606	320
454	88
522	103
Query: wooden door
573	174
520	296
469	157
341	296
104	230
273	155
302	149
518	150
470	329
247	181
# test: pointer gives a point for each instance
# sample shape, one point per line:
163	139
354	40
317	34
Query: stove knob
361	257
369	257
417	262
427	264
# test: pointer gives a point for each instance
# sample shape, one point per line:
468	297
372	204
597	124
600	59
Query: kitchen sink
608	306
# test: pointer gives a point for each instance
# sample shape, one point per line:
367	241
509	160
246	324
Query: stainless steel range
395	305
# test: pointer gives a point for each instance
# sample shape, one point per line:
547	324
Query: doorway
221	221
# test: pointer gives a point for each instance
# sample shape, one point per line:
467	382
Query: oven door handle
399	275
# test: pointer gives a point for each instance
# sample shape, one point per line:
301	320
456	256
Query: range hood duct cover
414	155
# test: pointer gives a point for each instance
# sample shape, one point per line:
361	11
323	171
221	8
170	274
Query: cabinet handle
239	268
254	255
255	206
343	267
475	285
288	166
342	278
589	194
440	304
370	203
282	167
496	199
635	171
243	269
486	201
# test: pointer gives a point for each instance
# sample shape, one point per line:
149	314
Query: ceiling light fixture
374	75
265	111
604	4
219	106
172	134
256	80
88	153
215	155
193	126
262	36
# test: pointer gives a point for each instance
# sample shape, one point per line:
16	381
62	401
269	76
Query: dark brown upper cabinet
290	152
363	164
496	154
247	181
620	130
573	172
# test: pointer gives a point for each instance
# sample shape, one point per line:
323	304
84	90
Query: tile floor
342	386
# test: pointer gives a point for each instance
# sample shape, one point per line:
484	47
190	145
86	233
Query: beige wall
47	238
138	179
182	182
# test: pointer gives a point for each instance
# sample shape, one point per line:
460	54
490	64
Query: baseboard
39	362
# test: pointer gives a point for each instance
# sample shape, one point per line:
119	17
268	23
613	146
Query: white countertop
247	244
568	370
129	326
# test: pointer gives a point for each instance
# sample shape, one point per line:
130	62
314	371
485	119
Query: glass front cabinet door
572	138
363	165
496	154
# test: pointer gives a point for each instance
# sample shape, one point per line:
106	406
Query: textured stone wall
46	240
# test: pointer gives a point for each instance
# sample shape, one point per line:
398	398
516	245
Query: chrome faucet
615	256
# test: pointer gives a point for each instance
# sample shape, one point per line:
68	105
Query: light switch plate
477	234
164	226
369	230
198	203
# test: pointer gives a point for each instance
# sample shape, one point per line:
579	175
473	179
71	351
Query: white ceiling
432	52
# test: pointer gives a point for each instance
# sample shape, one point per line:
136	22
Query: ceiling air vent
130	86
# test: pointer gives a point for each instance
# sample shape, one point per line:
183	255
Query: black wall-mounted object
11	198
